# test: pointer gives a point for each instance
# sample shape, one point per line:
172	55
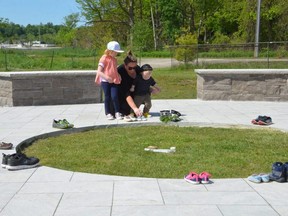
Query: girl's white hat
114	46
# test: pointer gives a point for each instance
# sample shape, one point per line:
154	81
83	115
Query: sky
24	12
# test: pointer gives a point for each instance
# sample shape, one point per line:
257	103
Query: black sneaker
4	160
286	172
278	172
20	161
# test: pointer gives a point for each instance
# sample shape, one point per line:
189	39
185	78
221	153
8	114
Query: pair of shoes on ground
18	161
62	124
195	178
170	115
262	120
5	146
117	116
258	178
279	172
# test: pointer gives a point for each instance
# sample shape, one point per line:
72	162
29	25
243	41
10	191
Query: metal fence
270	54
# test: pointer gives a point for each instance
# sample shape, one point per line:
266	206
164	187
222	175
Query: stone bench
48	88
242	84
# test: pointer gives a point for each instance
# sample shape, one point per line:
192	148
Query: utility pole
256	48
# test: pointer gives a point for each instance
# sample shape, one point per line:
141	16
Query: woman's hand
137	112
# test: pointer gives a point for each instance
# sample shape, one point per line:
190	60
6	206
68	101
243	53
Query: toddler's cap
146	67
114	46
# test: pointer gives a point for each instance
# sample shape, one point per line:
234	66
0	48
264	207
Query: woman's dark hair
130	58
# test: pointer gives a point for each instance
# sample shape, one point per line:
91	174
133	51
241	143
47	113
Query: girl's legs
107	94
114	97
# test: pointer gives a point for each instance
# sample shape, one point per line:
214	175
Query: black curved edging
28	142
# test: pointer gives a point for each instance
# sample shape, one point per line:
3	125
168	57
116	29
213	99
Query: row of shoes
279	174
62	124
5	146
18	161
132	118
195	178
262	120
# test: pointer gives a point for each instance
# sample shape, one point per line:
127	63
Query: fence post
51	63
6	62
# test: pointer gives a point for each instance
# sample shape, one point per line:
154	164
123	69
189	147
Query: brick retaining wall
242	84
48	88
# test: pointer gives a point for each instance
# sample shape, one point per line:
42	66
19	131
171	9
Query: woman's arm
133	106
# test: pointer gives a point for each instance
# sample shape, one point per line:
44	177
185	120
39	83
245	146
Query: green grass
223	152
176	83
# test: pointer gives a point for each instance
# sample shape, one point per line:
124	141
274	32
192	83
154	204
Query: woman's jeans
111	94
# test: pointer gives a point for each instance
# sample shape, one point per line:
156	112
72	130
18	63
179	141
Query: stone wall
48	88
242	84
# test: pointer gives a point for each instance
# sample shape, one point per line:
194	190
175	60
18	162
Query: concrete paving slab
49	191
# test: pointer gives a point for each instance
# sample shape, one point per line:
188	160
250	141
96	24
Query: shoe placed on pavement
262	120
118	116
264	177
255	178
204	176
286	168
4	160
110	117
130	118
5	146
21	161
68	124
141	118
279	172
62	124
146	115
192	178
169	113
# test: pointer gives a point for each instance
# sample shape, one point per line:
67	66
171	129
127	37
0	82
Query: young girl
109	78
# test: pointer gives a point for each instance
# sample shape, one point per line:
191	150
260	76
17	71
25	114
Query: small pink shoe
192	178
204	176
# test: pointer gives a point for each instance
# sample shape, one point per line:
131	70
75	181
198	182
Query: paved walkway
47	191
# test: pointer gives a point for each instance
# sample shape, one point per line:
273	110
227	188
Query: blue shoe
255	178
264	177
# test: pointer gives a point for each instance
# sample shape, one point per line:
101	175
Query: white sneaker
118	116
110	117
129	118
141	118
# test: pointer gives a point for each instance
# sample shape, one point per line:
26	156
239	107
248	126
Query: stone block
53	93
22	84
22	101
64	82
42	82
276	90
25	94
72	93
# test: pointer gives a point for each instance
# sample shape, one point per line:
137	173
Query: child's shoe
146	115
255	178
192	178
110	117
118	116
264	177
204	176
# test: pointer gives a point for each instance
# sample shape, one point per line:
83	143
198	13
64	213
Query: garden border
242	84
31	88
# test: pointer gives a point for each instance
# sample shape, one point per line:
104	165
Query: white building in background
41	44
